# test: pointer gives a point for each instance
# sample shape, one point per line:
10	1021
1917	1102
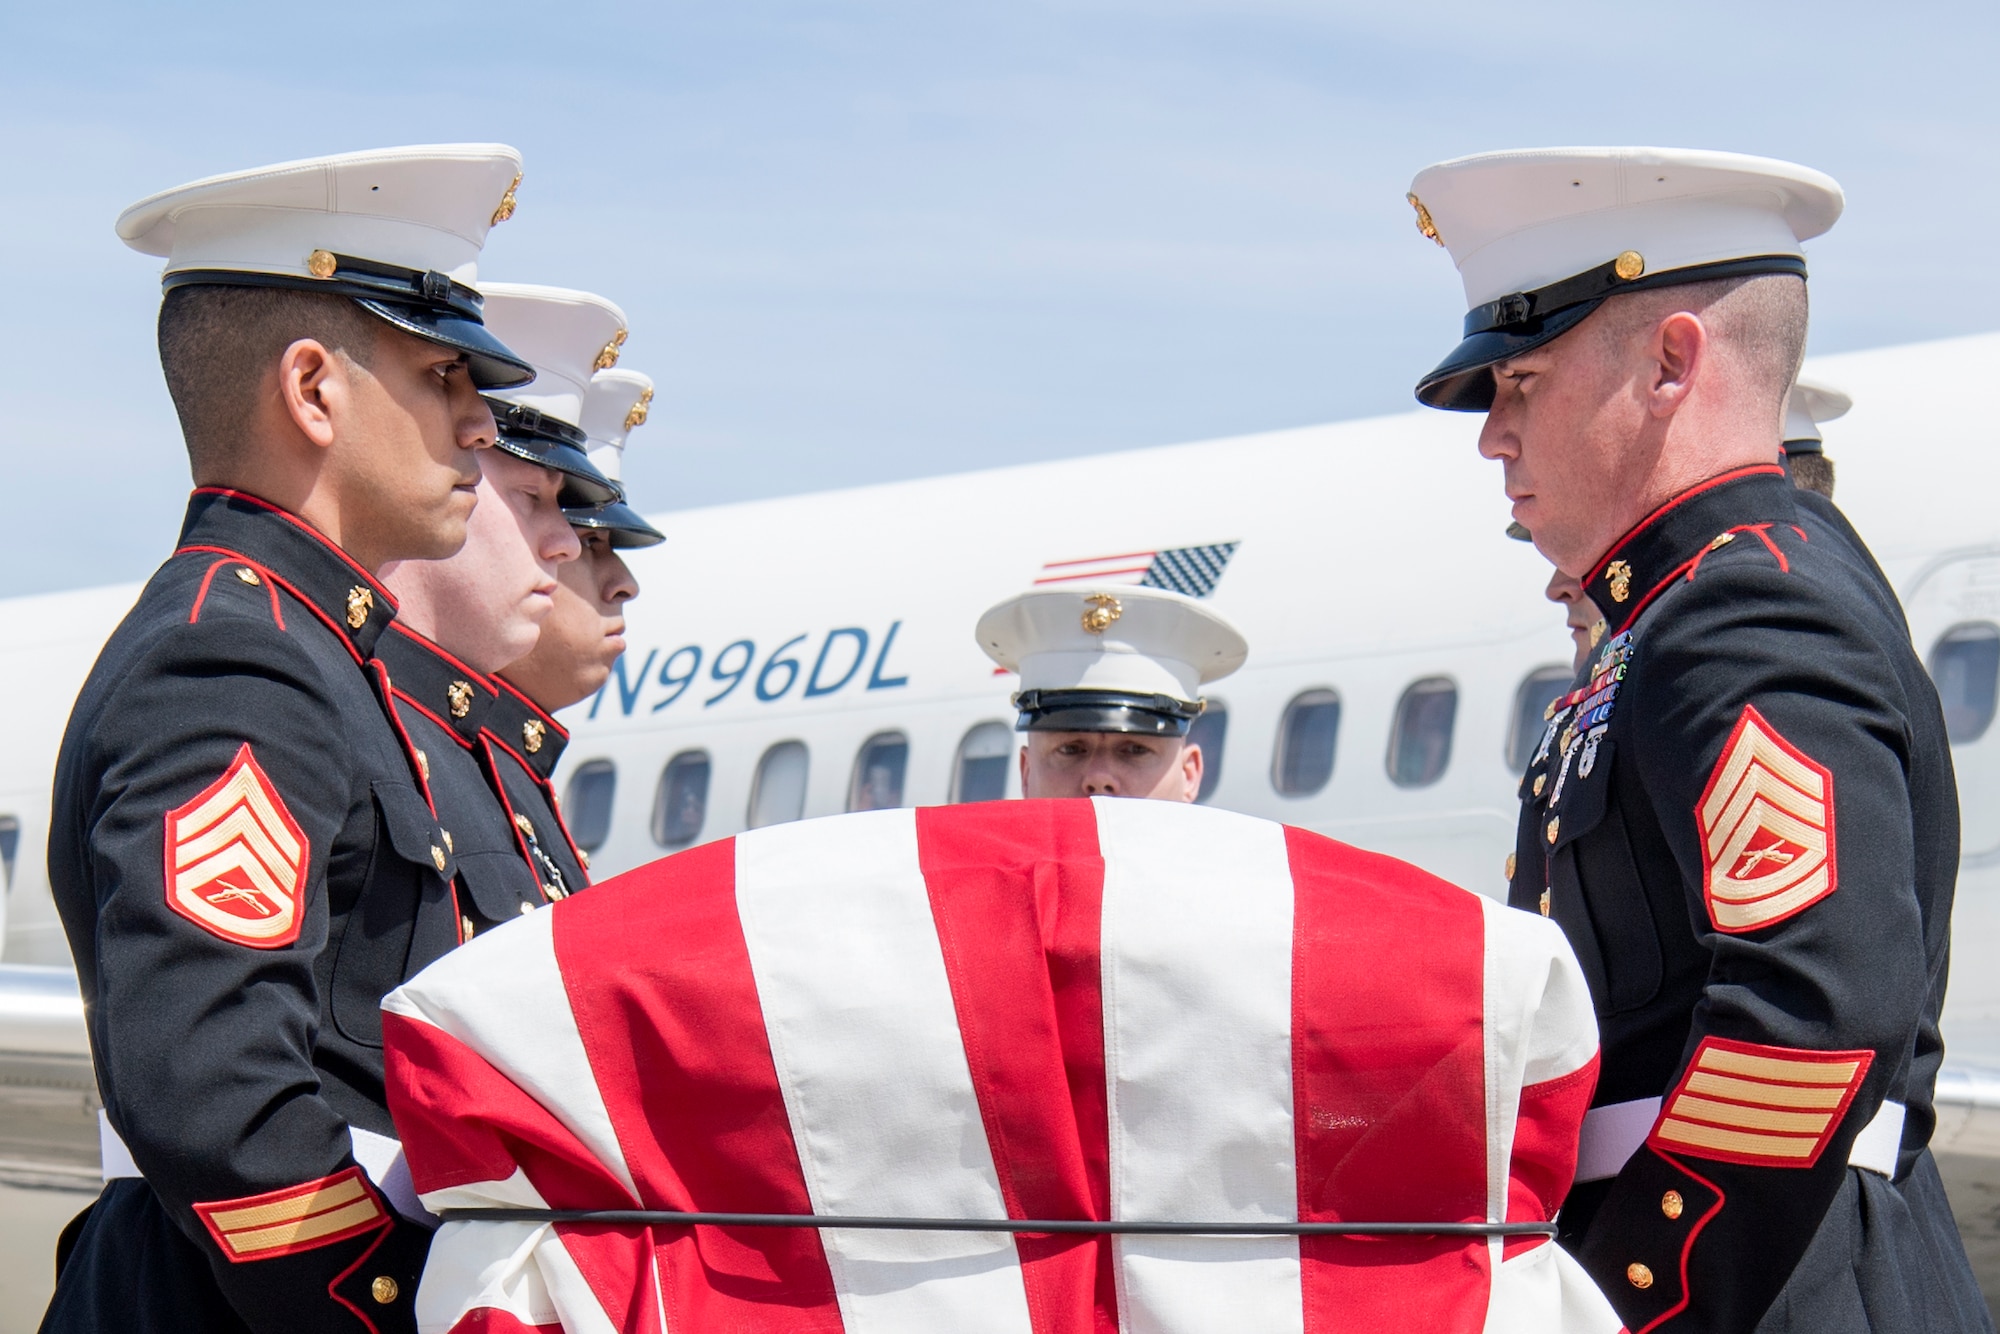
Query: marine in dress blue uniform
583	635
445	702
1743	816
242	850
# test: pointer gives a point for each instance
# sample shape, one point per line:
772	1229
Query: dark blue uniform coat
245	859
1745	821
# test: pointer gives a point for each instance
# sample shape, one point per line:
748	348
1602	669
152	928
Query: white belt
1613	1133
380	1157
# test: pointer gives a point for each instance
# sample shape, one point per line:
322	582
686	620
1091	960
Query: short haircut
217	342
1757	324
1812	472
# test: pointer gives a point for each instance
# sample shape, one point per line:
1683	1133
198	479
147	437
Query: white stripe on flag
859	1014
532	1037
1197	981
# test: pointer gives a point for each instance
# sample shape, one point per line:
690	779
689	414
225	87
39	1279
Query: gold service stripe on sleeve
1736	1141
287	1210
1776	1095
1750	1118
1766	1067
305	1229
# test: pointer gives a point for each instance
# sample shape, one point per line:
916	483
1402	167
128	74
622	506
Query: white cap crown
616	403
565	334
1809	404
424	208
1130	639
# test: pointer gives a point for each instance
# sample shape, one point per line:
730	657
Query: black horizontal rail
1053	1226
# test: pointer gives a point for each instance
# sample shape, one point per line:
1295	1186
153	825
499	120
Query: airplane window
1530	701
1306	737
877	784
1965	664
680	803
778	795
981	772
1420	741
586	804
10	843
1209	732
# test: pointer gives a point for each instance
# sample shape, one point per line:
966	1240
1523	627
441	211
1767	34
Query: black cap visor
1806	446
1103	711
620	520
490	362
428	305
1463	381
1523	321
527	433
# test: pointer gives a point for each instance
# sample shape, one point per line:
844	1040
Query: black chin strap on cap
529	433
1051	1226
1104	711
1521	321
426	303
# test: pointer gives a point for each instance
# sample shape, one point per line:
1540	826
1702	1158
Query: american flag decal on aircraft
236	859
1190	570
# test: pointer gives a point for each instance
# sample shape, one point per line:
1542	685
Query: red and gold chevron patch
1766	1106
1766	821
236	860
297	1218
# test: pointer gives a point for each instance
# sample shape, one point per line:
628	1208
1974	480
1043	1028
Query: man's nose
1100	785
1496	437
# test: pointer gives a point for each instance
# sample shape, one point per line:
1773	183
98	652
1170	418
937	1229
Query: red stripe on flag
463	1122
1016	890
1389	1089
1092	574
1544	1159
1099	560
676	1037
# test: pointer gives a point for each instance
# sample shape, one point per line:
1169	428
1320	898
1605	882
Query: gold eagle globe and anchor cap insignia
1104	610
359	603
459	693
607	356
640	410
1619	575
532	733
505	209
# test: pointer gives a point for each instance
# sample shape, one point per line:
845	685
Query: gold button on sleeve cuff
1639	1276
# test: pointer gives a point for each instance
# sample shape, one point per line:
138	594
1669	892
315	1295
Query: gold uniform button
1510	866
1639	1276
1671	1204
1555	828
248	575
465	926
1629	264
448	843
437	857
583	857
527	908
1541	781
1545	903
424	765
384	1290
1721	540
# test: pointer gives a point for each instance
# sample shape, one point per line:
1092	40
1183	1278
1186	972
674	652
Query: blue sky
892	238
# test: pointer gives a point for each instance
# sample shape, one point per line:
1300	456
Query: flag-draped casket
1037	1009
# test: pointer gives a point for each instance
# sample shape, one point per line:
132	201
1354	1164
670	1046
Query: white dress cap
566	335
398	230
617	402
1120	640
1809	404
425	208
1542	236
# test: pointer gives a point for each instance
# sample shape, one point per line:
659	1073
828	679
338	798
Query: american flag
1026	1009
1190	570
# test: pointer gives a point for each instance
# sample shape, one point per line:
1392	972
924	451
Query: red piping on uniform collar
1689	494
433	646
502	683
374	584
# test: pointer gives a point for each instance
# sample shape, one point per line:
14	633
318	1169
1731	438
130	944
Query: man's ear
1024	769
1191	770
315	387
1680	354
